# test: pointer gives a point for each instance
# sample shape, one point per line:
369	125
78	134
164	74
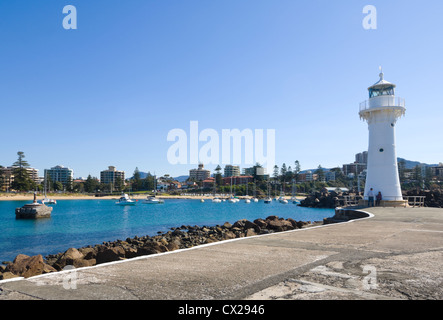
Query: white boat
217	200
48	201
247	201
233	200
254	199
268	199
294	200
202	200
282	200
153	200
125	201
294	192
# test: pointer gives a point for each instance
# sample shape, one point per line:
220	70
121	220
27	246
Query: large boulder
245	225
151	248
228	235
279	224
71	257
109	254
261	223
26	266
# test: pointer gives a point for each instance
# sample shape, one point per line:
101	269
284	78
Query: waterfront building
307	176
199	174
208	183
162	185
231	171
258	171
237	180
354	168
330	175
7	177
361	157
381	112
60	174
437	171
111	175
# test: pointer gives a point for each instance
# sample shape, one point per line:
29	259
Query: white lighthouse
381	112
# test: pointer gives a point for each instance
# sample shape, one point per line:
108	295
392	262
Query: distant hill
409	164
181	178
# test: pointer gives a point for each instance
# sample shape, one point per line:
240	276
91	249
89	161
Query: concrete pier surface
395	254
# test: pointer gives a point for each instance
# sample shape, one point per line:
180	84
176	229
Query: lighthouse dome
382	88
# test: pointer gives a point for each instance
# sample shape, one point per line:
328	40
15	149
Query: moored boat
153	200
125	201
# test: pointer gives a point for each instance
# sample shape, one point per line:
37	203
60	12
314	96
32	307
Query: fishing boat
125	201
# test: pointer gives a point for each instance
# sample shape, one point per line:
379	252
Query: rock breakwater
182	237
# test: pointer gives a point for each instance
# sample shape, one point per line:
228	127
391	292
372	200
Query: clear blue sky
109	92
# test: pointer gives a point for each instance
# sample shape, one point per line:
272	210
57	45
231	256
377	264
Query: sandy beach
30	197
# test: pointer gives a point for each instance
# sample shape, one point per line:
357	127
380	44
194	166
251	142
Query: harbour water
78	223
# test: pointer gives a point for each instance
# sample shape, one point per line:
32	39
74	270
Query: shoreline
30	197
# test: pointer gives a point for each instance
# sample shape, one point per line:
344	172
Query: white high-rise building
60	174
382	111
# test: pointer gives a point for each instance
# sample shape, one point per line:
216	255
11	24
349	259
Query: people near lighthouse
378	199
371	198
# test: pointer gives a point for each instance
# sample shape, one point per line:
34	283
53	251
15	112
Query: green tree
297	167
21	163
401	169
275	172
283	170
136	180
148	183
22	181
91	184
320	173
119	183
296	170
69	184
57	186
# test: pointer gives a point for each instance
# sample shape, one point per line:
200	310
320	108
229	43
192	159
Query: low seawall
347	214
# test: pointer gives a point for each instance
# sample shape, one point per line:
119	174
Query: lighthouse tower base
386	203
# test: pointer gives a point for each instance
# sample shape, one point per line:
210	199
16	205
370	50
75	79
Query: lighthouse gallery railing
393	102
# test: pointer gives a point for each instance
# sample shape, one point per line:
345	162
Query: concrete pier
33	210
395	254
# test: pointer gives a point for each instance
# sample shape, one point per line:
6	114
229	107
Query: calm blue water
78	223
